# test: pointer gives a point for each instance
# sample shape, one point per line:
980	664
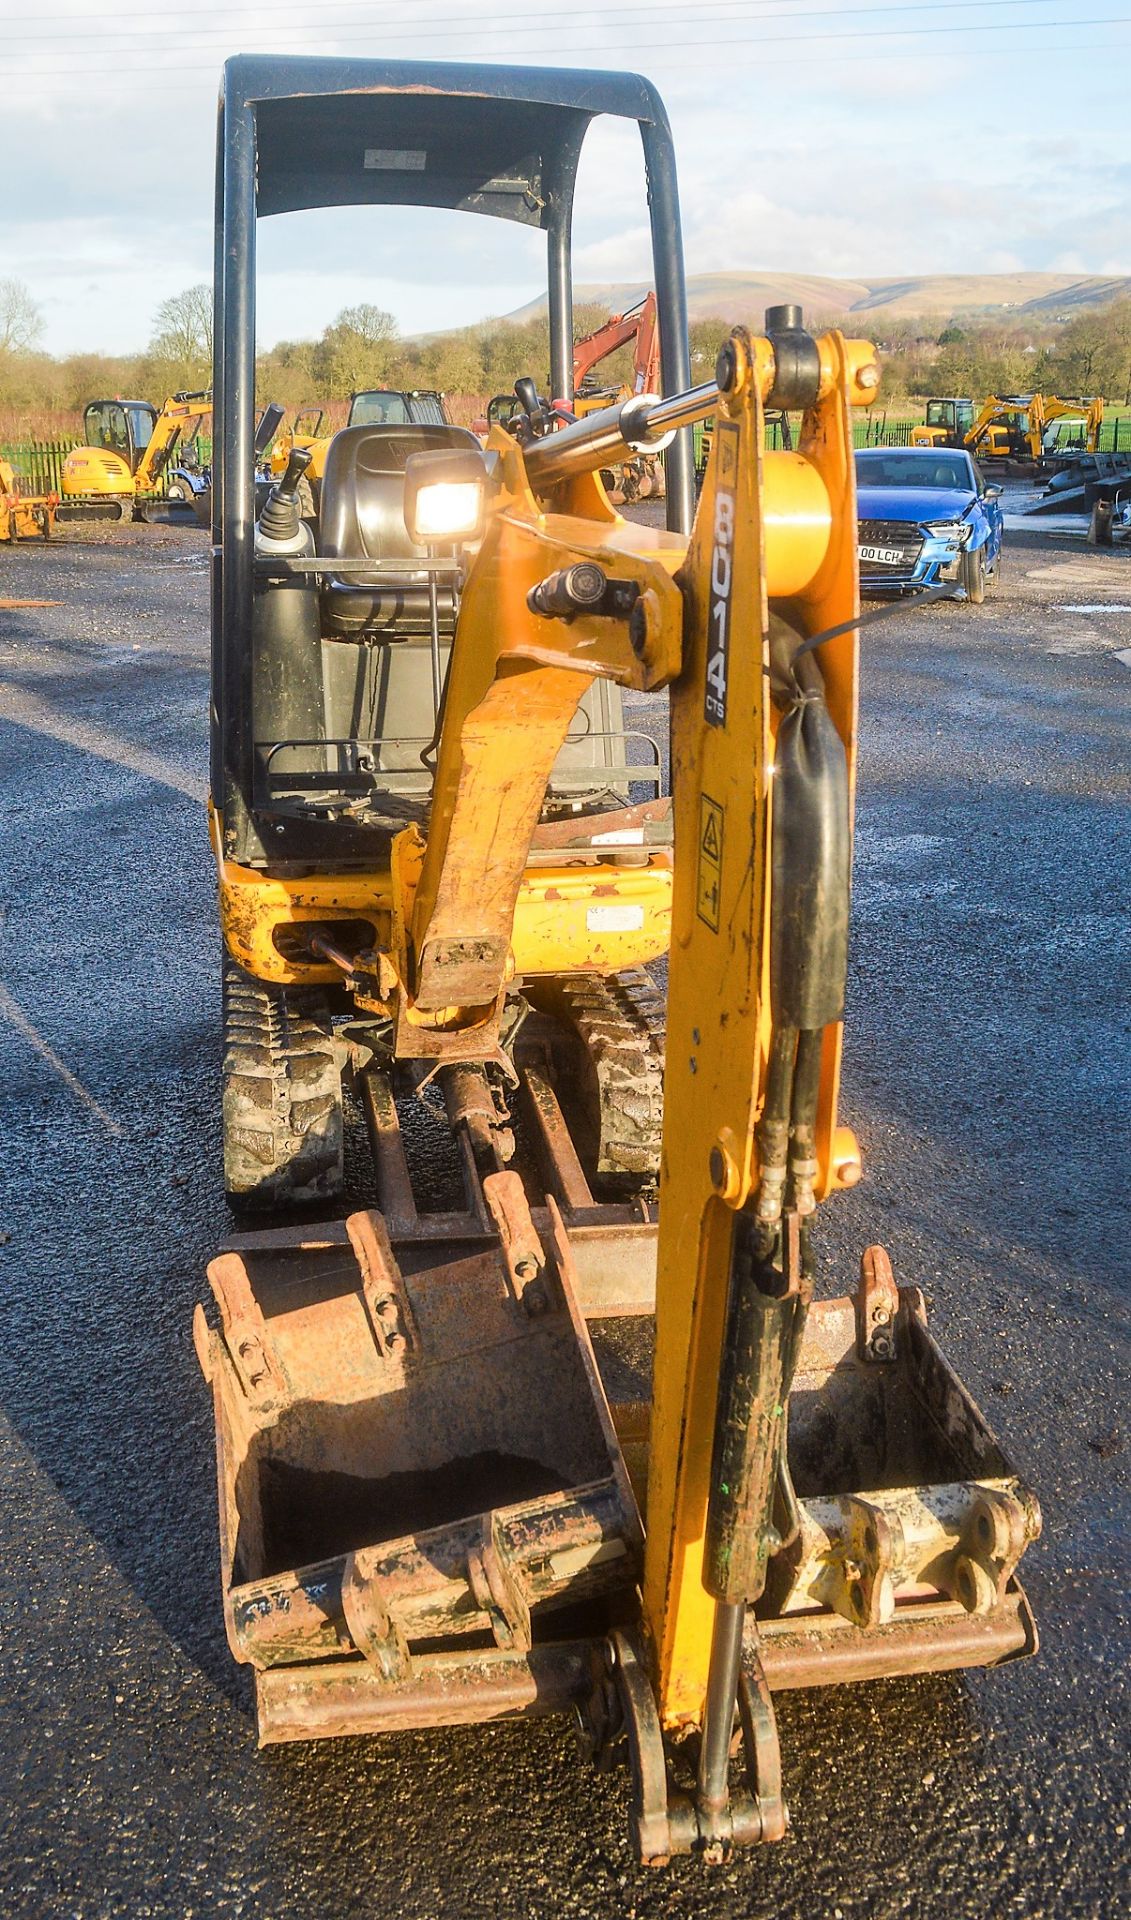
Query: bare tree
182	332
21	322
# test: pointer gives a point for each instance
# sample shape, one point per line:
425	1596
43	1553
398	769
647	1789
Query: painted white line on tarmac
13	1014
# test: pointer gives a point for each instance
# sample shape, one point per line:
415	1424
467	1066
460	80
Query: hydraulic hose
768	1288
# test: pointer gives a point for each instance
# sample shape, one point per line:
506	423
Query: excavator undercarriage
552	1421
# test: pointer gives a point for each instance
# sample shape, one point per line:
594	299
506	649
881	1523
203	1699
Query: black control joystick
281	518
538	416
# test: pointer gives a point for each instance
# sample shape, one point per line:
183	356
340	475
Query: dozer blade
418	1477
169	513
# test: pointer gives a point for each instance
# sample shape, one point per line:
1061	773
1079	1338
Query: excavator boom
638	324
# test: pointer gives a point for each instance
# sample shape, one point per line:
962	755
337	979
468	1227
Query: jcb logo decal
722	576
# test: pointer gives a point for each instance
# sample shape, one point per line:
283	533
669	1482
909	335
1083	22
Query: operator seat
361	516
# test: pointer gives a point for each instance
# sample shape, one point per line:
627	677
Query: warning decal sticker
710	861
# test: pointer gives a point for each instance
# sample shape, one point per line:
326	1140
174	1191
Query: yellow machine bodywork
24	516
951	417
97	470
561	918
288	438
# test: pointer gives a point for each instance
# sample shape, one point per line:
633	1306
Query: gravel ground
987	1075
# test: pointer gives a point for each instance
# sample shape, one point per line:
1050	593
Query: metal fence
38	464
876	430
873	431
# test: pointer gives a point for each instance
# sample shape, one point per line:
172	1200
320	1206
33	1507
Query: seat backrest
361	514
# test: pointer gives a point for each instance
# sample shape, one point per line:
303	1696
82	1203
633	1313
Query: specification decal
710	861
722	575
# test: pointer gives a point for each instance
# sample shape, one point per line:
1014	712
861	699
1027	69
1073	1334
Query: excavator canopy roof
297	134
491	140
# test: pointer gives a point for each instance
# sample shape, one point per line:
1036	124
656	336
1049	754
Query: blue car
926	516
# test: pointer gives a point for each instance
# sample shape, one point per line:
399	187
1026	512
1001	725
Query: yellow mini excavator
126	467
439	882
126	453
1013	432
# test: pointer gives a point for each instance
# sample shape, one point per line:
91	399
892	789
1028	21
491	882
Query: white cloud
816	156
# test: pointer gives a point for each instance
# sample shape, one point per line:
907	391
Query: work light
444	497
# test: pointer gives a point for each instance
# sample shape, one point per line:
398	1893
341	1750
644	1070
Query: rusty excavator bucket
428	1509
412	1464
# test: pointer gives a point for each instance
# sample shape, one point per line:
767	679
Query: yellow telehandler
438	880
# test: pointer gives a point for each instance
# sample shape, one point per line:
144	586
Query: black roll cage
127	407
297	132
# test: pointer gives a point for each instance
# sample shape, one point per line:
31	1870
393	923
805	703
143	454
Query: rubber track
620	1023
283	1127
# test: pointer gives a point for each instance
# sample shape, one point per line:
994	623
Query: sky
903	138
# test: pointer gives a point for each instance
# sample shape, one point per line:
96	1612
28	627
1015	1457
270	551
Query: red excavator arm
636	323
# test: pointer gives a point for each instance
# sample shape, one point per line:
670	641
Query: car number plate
888	556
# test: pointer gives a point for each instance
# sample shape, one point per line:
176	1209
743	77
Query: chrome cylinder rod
718	1714
643	424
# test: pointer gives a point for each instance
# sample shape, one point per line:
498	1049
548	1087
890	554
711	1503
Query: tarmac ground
987	1072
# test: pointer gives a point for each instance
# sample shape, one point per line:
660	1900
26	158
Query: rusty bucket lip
323	1699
